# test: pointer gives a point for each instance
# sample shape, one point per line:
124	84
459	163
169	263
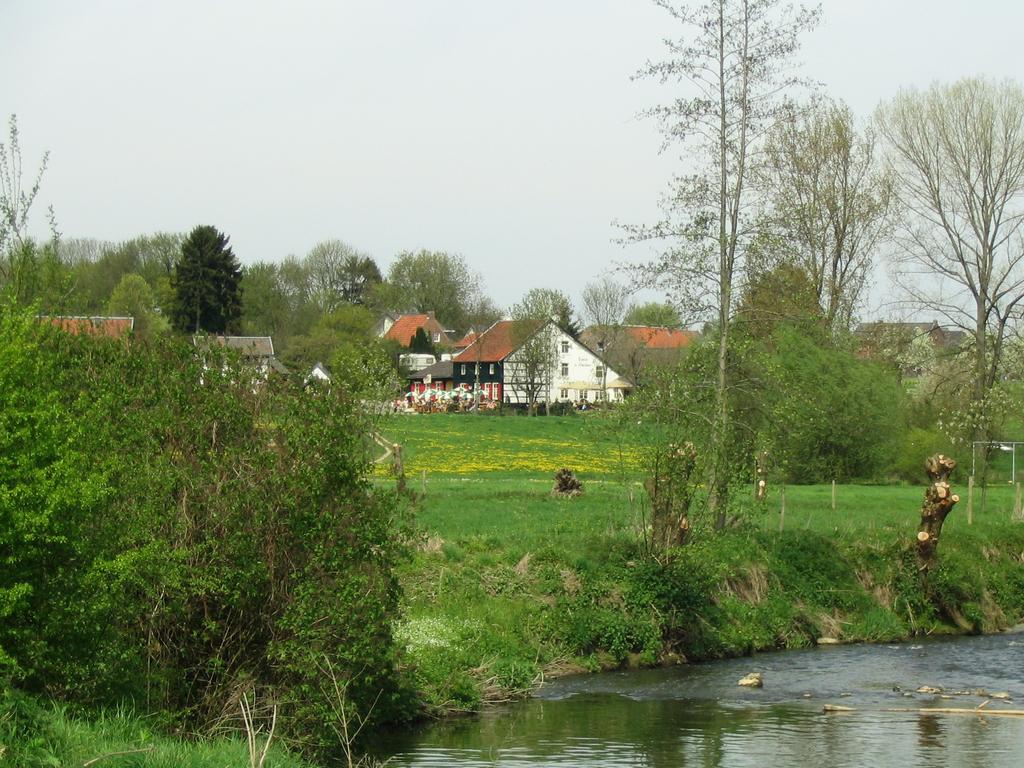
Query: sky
507	132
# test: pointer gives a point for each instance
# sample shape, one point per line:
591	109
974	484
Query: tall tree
207	284
432	281
958	152
529	371
266	306
830	201
549	303
339	273
27	271
735	63
604	304
133	297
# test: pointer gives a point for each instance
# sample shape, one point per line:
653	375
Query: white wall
580	380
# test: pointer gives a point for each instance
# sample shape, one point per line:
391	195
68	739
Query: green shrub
173	531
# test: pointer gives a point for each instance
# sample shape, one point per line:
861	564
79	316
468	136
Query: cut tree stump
566	483
938	503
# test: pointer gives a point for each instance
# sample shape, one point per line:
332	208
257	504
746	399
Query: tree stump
938	503
566	483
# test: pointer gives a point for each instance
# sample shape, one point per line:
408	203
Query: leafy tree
350	325
829	414
653	313
267	309
134	298
785	295
97	267
958	154
432	281
831	202
734	63
548	303
207	284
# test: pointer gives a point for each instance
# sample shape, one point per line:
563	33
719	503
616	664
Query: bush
175	531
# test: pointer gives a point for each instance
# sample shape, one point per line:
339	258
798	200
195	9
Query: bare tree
530	369
830	202
15	197
338	273
604	304
734	63
958	152
20	260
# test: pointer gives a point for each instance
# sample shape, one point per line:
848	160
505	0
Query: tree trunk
761	482
938	503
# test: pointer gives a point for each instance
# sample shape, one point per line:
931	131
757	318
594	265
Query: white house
514	364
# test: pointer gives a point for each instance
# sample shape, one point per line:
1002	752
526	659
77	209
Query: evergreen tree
420	344
206	283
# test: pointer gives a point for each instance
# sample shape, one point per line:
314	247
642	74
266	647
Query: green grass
33	734
509	583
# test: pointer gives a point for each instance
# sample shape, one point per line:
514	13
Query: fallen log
978	711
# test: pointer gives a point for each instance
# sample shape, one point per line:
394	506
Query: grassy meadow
509	584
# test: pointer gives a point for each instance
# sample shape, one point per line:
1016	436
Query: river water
696	715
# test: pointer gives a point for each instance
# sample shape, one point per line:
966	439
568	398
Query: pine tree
206	282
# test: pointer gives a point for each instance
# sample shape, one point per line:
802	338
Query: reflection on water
697	716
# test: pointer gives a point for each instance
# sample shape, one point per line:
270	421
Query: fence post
782	510
1017	513
970	500
833	495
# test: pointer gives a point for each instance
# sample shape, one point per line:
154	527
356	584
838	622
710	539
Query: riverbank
510	586
33	733
695	714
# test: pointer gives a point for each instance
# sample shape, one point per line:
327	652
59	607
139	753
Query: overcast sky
504	131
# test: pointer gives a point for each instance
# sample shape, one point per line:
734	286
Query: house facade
437	377
519	364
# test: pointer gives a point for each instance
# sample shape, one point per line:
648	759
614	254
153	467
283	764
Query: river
696	714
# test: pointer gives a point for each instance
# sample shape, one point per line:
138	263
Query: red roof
653	337
466	340
405	327
114	327
496	343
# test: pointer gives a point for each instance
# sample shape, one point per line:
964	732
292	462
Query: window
565	347
565	394
565	369
600	372
463	371
437	337
599	396
490	369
